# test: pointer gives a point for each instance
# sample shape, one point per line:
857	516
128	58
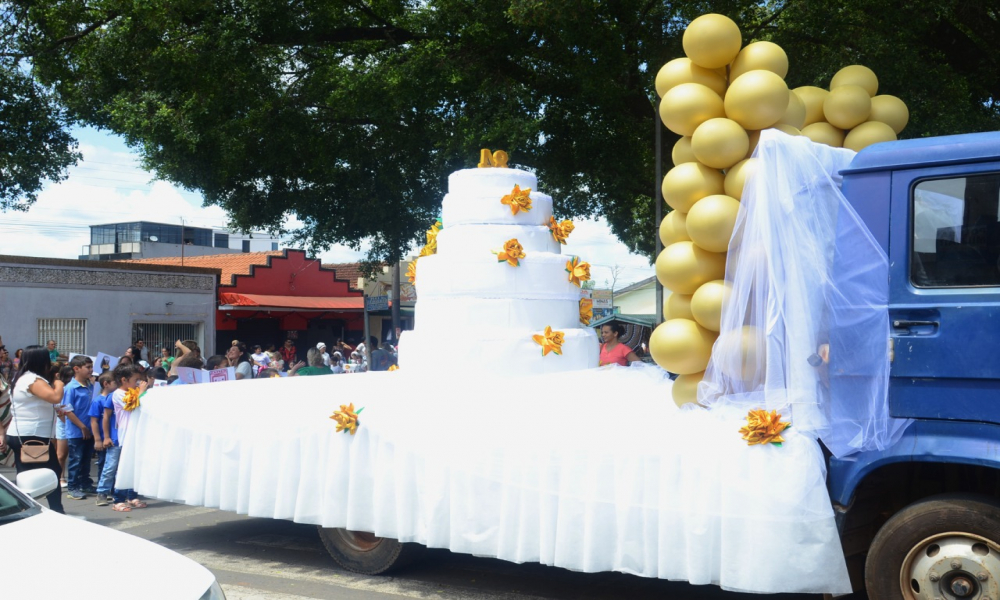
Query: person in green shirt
316	366
167	359
53	353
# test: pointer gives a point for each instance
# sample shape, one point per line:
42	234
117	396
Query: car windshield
13	506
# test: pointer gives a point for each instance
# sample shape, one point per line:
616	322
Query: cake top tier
485	182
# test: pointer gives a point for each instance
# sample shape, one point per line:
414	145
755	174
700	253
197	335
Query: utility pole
395	300
658	201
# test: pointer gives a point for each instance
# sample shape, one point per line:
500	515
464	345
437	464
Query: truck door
945	292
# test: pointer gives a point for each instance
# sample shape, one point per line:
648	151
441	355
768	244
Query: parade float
500	436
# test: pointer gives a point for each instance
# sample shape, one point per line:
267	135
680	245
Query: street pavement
265	559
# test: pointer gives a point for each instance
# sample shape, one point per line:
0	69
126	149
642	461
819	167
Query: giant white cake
476	313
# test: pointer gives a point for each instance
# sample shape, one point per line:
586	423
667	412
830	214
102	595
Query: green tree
350	114
938	56
34	144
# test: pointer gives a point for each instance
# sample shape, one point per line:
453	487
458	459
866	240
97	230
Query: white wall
110	311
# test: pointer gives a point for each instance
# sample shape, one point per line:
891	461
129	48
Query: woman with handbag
33	414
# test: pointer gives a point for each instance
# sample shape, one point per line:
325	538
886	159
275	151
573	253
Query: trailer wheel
366	553
941	547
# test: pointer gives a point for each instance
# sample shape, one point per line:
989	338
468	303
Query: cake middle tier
482	239
462	313
484	207
540	276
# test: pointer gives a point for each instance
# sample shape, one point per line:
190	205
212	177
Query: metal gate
70	334
163	335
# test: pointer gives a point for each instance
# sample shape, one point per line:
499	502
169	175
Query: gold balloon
754	140
739	356
813	98
847	106
711	220
673	228
683	267
824	133
795	114
687	183
707	302
686	106
682	70
720	143
677	306
685	388
866	134
712	41
682	151
681	346
736	177
858	75
756	99
766	56
787	129
890	110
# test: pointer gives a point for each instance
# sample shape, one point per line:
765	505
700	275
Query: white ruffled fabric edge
591	471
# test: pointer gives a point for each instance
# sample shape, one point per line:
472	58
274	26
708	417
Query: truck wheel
944	547
367	553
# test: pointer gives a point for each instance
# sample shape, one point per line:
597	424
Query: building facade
145	239
92	306
267	297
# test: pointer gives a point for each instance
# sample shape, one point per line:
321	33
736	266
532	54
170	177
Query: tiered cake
476	311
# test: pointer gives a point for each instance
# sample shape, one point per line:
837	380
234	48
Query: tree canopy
351	113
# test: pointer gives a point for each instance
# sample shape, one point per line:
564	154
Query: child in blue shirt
105	410
76	401
102	423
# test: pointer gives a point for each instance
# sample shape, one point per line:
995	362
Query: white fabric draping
806	330
592	470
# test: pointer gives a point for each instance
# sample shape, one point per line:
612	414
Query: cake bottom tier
499	352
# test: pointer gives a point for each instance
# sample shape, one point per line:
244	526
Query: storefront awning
233	301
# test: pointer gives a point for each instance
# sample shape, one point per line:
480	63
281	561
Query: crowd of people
65	415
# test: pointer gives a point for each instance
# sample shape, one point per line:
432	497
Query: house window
246	245
222	240
70	334
163	335
274	245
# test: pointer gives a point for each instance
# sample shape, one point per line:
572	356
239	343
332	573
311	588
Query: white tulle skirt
591	470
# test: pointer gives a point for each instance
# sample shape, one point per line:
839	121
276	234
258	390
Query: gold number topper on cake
489	159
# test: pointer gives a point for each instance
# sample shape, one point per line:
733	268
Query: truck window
956	232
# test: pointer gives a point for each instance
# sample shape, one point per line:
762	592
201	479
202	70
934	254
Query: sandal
121	507
136	503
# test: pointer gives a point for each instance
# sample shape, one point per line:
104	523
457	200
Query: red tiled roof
236	263
349	272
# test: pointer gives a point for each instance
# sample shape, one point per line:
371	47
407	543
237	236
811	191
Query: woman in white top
33	414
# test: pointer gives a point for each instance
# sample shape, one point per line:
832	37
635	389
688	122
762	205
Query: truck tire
941	547
365	553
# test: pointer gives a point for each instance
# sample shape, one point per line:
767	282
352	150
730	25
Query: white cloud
108	186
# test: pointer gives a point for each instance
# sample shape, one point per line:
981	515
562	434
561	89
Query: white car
49	555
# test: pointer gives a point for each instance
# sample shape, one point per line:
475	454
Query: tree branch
395	35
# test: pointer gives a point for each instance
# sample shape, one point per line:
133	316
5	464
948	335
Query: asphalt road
263	559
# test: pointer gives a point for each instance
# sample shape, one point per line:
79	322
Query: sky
109	186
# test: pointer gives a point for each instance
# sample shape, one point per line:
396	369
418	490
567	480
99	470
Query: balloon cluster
718	98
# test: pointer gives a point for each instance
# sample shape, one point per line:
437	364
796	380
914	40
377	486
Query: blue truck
921	519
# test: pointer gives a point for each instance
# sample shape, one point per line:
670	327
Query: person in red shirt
288	354
613	351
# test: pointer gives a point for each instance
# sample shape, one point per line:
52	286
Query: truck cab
921	519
